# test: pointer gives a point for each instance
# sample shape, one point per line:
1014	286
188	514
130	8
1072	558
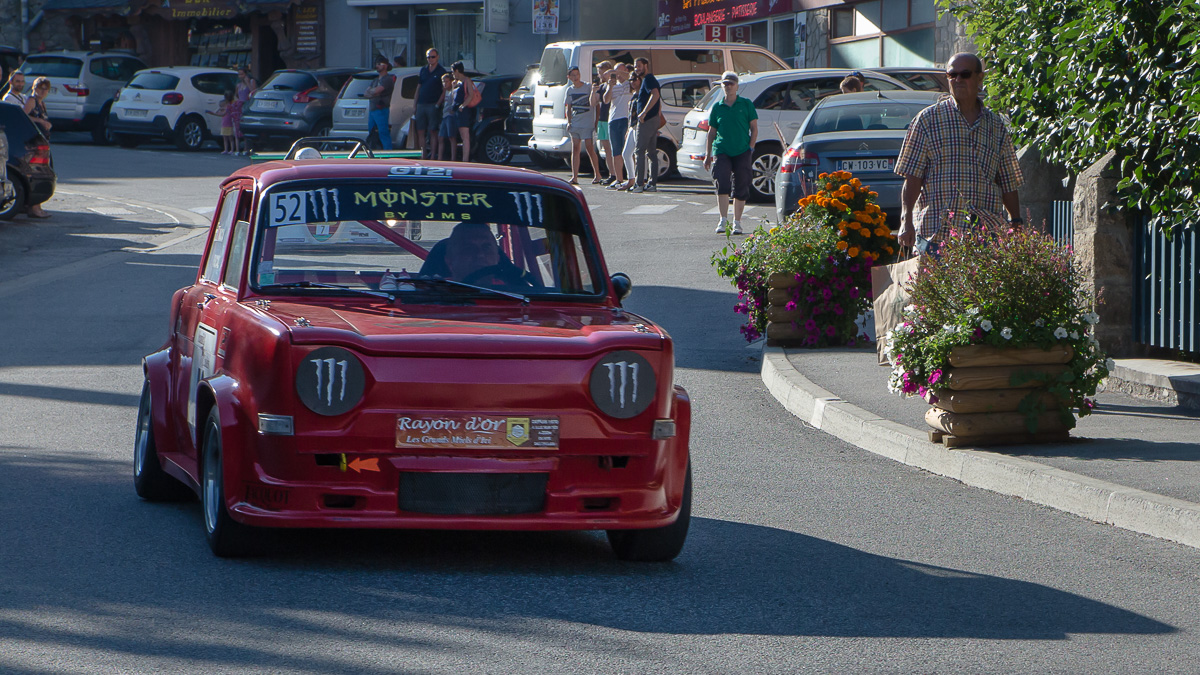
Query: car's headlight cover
623	384
330	381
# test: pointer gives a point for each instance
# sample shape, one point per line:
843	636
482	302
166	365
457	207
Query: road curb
1097	500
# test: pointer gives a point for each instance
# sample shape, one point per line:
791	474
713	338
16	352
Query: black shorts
466	118
736	167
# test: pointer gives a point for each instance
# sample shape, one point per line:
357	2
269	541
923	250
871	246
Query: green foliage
1004	288
1080	78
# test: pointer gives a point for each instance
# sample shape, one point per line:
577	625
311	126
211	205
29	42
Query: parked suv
295	103
171	103
783	100
352	107
82	86
30	166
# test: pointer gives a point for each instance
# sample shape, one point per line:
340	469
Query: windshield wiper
437	281
317	284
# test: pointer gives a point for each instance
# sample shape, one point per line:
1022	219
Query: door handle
205	301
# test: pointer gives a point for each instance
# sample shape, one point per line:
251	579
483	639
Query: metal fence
1165	286
1062	222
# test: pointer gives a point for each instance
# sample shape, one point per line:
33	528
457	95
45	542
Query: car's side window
752	62
875	84
772	98
237	254
670	94
408	87
220	238
211	83
126	68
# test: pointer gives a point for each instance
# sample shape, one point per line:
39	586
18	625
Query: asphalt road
806	554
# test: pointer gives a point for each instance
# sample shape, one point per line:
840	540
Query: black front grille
472	494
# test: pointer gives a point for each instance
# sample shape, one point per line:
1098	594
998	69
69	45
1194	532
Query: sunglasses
960	74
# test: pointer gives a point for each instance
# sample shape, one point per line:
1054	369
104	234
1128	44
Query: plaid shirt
966	167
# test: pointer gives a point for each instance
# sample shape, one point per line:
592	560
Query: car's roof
661	44
907	69
186	70
672	77
898	96
269	173
752	78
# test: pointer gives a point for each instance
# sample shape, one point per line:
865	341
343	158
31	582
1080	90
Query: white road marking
715	211
110	210
696	203
649	210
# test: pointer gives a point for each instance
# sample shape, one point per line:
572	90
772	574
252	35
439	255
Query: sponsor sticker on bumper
420	430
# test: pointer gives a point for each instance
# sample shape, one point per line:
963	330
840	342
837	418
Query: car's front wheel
149	480
764	165
19	200
189	135
496	148
226	537
666	158
661	543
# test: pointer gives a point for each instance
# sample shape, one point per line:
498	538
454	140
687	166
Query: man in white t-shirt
16	90
617	95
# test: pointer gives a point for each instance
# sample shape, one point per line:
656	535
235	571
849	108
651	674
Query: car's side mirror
622	285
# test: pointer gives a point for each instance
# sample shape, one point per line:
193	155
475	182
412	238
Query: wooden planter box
980	405
781	329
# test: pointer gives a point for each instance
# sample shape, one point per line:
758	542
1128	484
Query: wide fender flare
157	370
224	393
678	455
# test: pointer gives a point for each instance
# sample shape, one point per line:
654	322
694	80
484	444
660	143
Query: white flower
1092	318
1060	332
950	328
985	325
1074	335
973	311
1039	323
1006	333
910	309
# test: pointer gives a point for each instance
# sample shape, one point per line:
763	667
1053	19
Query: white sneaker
721	225
737	227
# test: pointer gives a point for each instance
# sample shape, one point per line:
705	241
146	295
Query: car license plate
134	112
689	134
266	106
356	112
852	165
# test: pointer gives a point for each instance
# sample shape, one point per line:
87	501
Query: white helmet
308	153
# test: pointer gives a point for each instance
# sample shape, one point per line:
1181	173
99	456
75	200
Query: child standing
226	112
448	131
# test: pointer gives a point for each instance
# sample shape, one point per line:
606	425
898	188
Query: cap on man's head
729	77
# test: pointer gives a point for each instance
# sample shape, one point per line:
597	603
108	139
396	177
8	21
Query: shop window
380	18
752	62
857	54
913	48
841	23
866	18
784	38
923	11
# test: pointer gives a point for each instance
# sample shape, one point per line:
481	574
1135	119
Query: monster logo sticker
330	381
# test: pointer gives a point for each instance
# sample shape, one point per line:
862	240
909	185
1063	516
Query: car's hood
497	330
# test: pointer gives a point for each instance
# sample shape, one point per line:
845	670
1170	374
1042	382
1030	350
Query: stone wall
1044	183
1104	250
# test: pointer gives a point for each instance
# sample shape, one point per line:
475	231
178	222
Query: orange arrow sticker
360	465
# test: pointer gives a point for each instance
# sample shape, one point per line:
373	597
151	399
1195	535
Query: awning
90	6
408	3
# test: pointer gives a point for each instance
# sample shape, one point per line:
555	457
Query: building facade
823	33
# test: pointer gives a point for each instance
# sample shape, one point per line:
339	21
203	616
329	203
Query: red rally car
396	344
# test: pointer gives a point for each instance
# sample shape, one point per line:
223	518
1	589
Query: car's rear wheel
189	135
763	166
496	148
661	543
226	537
149	480
323	128
20	198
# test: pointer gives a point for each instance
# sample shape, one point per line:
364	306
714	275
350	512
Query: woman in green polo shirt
732	131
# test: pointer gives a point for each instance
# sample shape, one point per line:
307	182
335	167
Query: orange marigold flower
889	249
842	175
822	176
842	233
838	204
852	251
829	186
855	182
842	246
872	194
881	232
862	217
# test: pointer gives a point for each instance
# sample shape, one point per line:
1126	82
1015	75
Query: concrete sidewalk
1133	463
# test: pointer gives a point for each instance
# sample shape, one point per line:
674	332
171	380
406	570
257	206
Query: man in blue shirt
646	117
428	117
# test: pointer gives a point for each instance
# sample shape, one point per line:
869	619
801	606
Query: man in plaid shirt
958	161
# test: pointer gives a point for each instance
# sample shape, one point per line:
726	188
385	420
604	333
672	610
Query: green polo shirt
732	123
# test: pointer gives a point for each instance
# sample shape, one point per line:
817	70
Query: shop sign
545	17
679	16
199	9
495	16
715	32
307	29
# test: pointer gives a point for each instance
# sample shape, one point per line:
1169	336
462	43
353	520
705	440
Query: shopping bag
890	288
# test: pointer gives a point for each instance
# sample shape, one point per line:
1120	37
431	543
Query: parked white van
667	57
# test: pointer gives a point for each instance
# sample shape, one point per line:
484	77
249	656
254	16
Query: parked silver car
783	99
82	86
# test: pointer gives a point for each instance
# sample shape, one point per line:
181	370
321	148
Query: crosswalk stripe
649	210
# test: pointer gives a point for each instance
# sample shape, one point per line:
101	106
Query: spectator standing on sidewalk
957	160
617	95
428	116
16	91
36	105
601	106
635	81
646	115
581	122
466	97
246	86
732	132
380	93
448	131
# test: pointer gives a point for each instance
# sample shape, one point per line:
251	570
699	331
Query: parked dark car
492	144
859	133
30	166
294	103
